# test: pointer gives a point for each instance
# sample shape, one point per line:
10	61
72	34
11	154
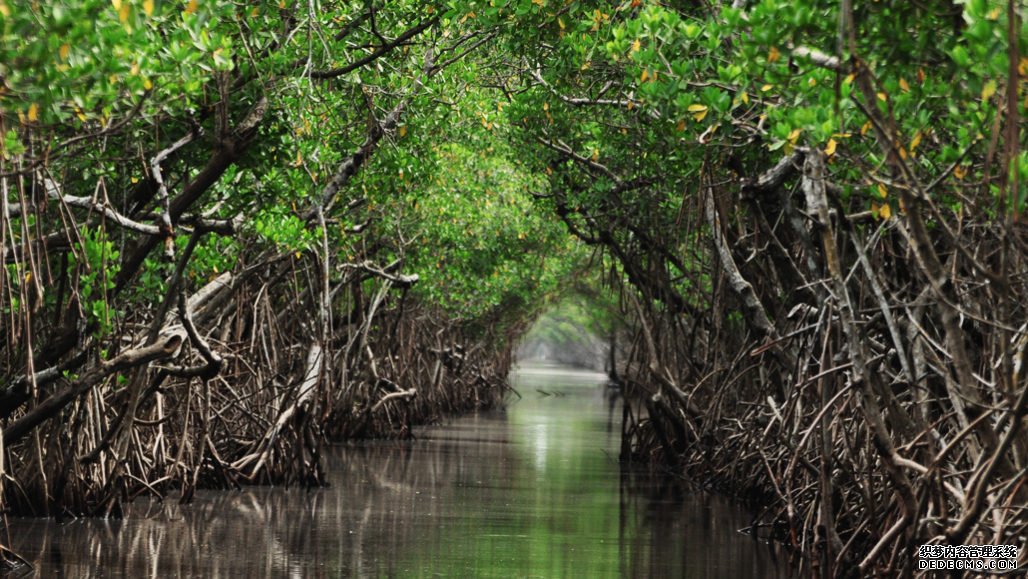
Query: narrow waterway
532	491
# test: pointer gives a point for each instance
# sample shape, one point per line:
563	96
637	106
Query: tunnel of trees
233	232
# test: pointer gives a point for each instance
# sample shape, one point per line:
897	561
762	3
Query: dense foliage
265	225
816	212
231	232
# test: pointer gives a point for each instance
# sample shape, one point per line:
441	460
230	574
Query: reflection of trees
222	535
380	490
686	534
471	497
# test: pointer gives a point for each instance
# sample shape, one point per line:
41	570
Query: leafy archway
231	233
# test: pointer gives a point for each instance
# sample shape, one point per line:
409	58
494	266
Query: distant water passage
532	491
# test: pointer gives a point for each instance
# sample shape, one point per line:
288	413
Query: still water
532	491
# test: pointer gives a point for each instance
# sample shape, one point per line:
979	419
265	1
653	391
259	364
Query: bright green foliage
315	145
728	157
696	86
277	173
151	71
95	263
478	244
86	63
611	112
634	103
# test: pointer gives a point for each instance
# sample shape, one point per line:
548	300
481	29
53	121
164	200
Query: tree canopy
332	219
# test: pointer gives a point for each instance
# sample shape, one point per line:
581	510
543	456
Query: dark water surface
533	491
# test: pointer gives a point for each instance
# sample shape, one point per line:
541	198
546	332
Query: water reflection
530	492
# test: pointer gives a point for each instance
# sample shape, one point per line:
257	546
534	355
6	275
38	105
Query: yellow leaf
988	90
994	13
794	135
849	79
903	85
811	81
697	108
124	12
65	49
4	10
148	7
116	4
560	22
135	179
33	114
80	114
885	212
915	141
830	147
537	2
635	46
745	96
468	16
882	191
883	97
644	76
546	106
864	129
959	172
403	131
766	87
147	84
699	112
921	75
773	55
903	153
299	159
596	155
